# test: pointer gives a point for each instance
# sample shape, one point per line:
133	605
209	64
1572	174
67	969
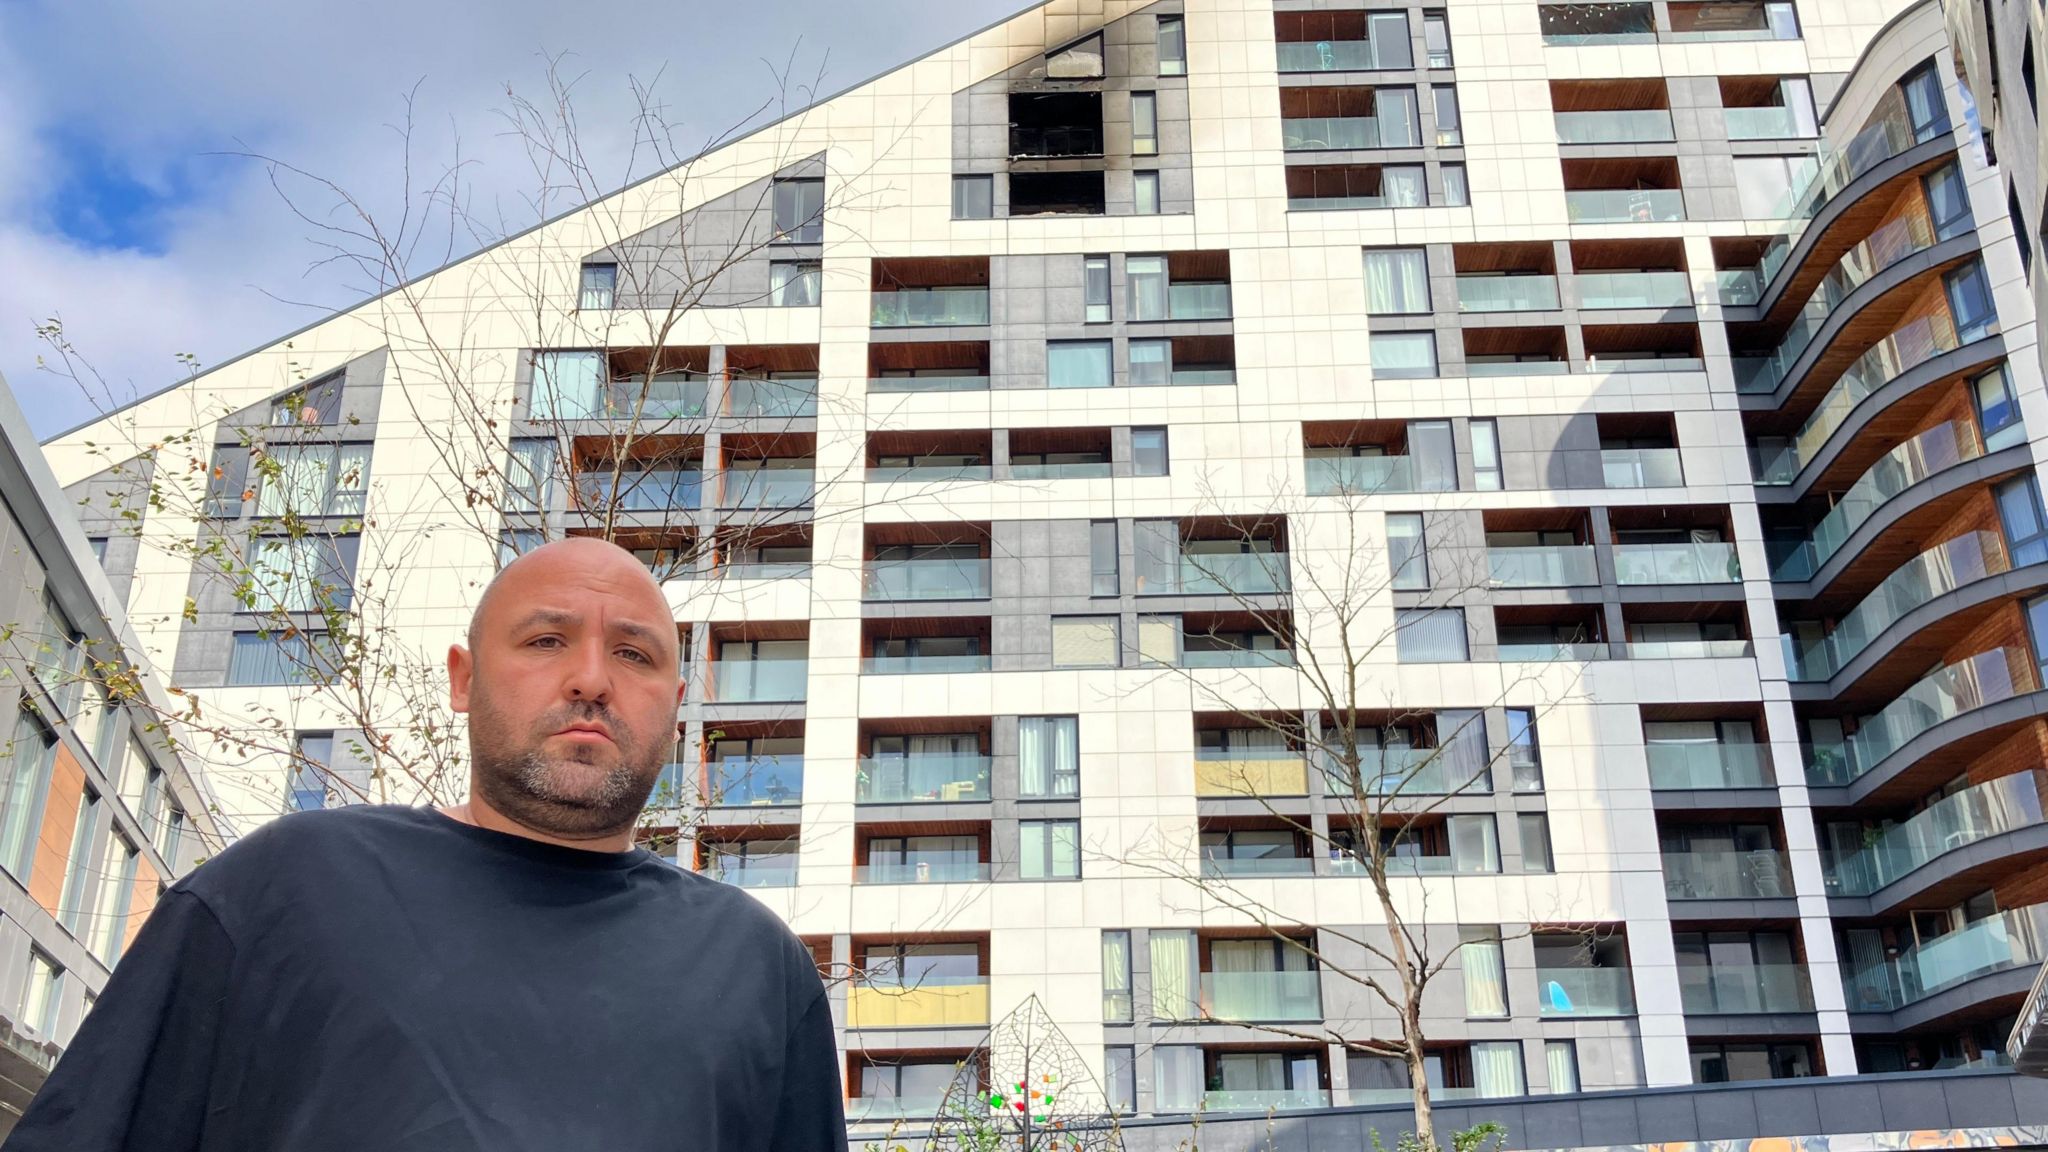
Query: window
21	797
1969	298
2026	525
1078	364
1395	118
311	771
135	773
59	657
1120	1072
599	287
1497	1069
1102	558
1535	829
1998	411
1925	108
1144	124
2019	233
1159	641
799	207
315	404
300	573
1145	193
1783	19
1081	60
1396	281
1148	452
1948	202
1177	1077
1149	298
529	478
2027	82
1475	843
1095	288
974	197
1084	642
314	480
1048	757
1561	1061
78	862
795	283
1173	46
1486	475
1449	132
98	544
1485	971
1433	458
1729	1063
1525	759
110	911
1456	194
1403	355
281	658
1407	551
1151	363
1765	186
40	998
170	834
1051	850
1430	635
1436	38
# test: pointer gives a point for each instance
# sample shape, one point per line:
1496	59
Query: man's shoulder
298	841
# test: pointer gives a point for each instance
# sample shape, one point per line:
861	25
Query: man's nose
589	676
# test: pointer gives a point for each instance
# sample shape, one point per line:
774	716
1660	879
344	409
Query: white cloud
162	88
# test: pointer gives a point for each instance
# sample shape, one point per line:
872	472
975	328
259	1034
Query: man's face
571	683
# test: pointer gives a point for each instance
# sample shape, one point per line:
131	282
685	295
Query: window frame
597	298
1049	832
985	182
1144	114
1176	62
1164	451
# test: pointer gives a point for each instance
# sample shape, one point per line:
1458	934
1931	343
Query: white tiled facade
1299	329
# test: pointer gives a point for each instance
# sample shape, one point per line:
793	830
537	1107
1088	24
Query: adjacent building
1633	403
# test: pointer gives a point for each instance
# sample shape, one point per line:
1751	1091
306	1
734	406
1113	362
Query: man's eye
634	654
546	641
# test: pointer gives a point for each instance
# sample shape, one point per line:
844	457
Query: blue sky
128	210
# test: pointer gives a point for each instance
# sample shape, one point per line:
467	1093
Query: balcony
1942	695
1219	773
1694	562
1400	771
1582	993
928	472
1624	206
1634	290
1198	301
930	1002
1767	123
1540	652
1687	649
662	396
1231	574
1641	468
1996	943
930	308
951	664
938	579
1064	470
752	874
922	872
1263	997
753	781
1933	451
1738	287
1343	56
1704	767
1616	126
1507	294
1235	656
1755	874
1267	1100
933	383
1257	866
1359	475
751	398
1331	134
922	780
654	490
1936	572
1546	566
1839	167
759	681
766	488
1990	809
1736	990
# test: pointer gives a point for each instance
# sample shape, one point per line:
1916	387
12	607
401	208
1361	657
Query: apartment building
97	811
1631	400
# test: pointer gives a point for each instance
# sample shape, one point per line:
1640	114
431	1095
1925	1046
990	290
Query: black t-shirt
387	979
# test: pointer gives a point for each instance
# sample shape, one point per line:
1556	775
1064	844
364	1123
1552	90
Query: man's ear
461	665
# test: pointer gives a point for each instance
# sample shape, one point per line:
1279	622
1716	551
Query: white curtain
1475	846
297	481
1396	280
566	386
1047	755
1176	1078
1562	1059
1116	976
1486	987
1402	187
1173	976
1148	293
290	573
1497	1068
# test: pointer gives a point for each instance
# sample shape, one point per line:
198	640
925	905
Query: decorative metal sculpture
1025	1089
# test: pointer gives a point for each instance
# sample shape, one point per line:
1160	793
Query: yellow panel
1287	777
931	1006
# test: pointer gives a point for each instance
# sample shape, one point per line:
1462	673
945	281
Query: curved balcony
1953	822
1931	453
1942	696
2010	941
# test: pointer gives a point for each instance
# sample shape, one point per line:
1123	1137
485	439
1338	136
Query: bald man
506	975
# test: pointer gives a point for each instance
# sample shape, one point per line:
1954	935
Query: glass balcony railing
1935	450
773	570
1401	771
1266	1100
1343	56
664	396
1953	822
960	383
757	873
1545	651
766	488
1740	287
1687	649
1996	943
1585	992
1694	562
929	474
879	1109
1198	301
759	681
1754	874
1263	997
927	1002
753	781
1084	470
1641	468
1333	133
921	872
1359	475
1544	566
1517	367
1615	126
1231	657
1634	290
1912	345
936	579
925	665
1942	569
930	308
656	490
1767	124
1220	774
922	780
1507	293
1837	168
1729	990
771	398
1944	694
1254	866
1702	766
1623	205
1233	573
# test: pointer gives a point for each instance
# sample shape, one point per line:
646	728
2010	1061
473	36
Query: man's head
571	679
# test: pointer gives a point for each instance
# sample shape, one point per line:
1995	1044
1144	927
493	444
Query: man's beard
528	785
